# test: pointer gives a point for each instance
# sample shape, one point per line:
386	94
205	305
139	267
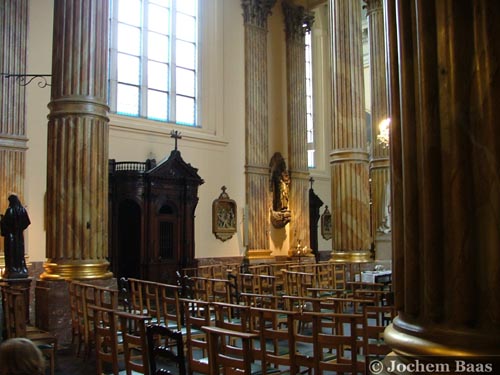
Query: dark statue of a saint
12	224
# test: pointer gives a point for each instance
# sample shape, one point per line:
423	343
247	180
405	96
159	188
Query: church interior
292	163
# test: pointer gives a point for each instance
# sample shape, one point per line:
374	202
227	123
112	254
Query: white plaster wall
39	61
218	150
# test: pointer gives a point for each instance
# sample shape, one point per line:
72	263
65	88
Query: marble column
13	140
297	23
77	149
255	13
349	155
379	163
444	60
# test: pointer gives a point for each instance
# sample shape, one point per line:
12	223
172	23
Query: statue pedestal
383	246
22	285
53	311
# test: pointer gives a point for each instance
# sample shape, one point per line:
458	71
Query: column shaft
379	163
349	156
297	23
77	149
447	138
255	13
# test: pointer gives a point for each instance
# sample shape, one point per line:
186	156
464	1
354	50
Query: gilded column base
416	341
360	256
80	270
258	254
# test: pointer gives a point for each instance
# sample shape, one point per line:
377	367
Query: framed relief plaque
224	216
326	224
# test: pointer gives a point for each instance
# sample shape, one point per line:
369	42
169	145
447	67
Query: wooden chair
375	319
276	346
165	344
297	283
145	298
337	350
219	290
231	316
14	310
98	296
227	358
131	329
76	306
268	301
107	345
170	308
196	316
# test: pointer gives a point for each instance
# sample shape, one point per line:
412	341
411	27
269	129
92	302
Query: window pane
187	6
127	100
158	47
158	76
165	3
129	39
157	105
310	159
158	19
186	28
185	82
185	110
128	69
185	53
129	11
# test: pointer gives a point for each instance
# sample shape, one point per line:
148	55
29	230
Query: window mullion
173	67
143	95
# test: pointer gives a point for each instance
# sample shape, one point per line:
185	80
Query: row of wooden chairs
15	312
119	333
192	312
256	340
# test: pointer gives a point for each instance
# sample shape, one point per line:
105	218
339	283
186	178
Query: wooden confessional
152	210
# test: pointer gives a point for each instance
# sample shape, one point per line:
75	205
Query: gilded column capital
373	6
297	21
255	12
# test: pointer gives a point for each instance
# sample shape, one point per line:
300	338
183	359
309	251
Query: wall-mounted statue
280	181
12	225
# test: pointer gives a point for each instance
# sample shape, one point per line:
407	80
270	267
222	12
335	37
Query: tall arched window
154	59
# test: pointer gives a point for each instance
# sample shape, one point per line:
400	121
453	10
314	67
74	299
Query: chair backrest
172	315
165	344
276	347
107	347
226	357
337	349
132	328
196	315
376	319
231	316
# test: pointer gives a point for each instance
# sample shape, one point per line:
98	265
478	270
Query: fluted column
297	23
444	59
77	149
255	13
379	163
13	140
349	156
